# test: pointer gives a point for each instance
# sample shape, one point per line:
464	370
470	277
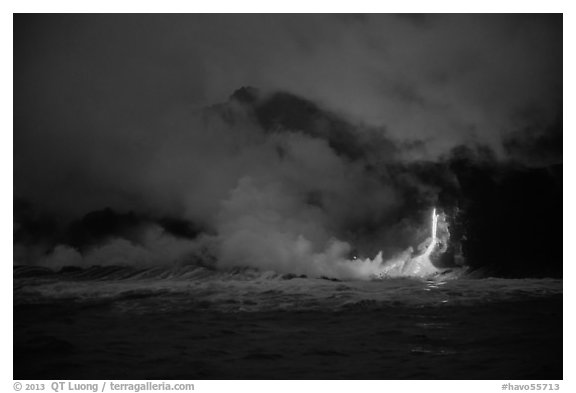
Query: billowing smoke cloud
117	112
275	198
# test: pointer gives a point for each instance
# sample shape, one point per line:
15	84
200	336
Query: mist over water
285	201
296	200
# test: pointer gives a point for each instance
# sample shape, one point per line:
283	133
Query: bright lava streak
408	265
434	227
434	224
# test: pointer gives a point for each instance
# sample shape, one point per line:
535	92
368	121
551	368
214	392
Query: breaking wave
249	290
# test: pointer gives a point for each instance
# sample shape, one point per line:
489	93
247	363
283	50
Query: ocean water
193	322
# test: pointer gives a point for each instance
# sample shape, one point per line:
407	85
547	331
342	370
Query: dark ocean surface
198	323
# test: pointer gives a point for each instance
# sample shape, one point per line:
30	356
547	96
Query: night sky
259	139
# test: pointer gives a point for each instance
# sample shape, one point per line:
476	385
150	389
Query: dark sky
108	108
447	78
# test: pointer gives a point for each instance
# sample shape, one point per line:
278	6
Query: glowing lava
434	230
408	265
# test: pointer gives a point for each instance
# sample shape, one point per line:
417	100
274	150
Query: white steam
282	201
